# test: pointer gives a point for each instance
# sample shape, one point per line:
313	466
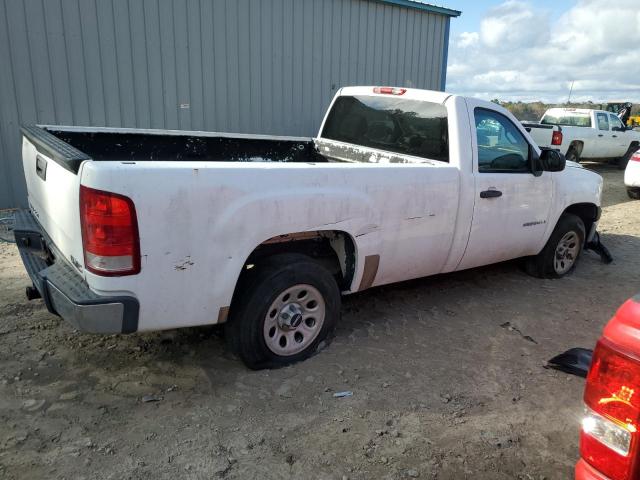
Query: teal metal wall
253	66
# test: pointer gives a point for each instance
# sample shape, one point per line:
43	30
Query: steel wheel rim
294	320
566	252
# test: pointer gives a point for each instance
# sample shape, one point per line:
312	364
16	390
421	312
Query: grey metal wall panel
84	62
254	66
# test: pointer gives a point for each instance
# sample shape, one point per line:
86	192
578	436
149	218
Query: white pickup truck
133	230
583	134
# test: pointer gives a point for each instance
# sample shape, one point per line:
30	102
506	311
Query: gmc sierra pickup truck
132	230
583	134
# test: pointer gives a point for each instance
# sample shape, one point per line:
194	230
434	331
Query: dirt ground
442	387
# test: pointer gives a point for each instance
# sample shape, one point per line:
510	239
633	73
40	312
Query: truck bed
105	144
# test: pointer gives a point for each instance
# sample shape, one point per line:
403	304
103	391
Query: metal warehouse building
254	66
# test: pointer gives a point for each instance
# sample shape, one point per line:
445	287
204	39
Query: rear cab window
404	126
567	119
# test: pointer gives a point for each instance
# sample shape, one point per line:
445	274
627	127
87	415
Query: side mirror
552	160
534	162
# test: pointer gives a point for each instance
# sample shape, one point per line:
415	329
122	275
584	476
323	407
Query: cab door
603	147
619	140
511	204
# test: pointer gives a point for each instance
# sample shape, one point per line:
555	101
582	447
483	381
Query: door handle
614	136
490	194
600	135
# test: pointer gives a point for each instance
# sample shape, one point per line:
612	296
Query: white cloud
514	24
523	53
467	39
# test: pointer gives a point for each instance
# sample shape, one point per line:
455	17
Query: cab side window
616	122
603	121
501	146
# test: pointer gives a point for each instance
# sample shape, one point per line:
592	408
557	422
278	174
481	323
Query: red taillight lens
109	233
609	437
390	90
556	138
635	157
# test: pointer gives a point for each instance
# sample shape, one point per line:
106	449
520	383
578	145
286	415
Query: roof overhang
426	7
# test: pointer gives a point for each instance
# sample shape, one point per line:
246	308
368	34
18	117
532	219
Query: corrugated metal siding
258	66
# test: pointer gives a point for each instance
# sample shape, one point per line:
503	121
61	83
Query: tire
294	287
567	239
633	193
624	160
572	155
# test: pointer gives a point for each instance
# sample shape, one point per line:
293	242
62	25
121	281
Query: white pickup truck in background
583	134
135	230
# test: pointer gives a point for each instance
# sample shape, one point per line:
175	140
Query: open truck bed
72	145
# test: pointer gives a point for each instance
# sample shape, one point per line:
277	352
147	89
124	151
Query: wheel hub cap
290	316
566	253
294	320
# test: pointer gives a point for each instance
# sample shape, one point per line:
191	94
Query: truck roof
412	93
417	94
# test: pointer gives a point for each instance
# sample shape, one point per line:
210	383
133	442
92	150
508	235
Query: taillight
636	157
390	90
556	138
109	233
609	437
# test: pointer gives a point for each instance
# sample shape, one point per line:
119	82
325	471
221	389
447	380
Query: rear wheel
634	193
283	311
624	160
560	254
572	155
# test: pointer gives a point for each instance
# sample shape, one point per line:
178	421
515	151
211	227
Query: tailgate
541	134
51	171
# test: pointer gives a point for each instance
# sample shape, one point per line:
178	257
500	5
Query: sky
533	50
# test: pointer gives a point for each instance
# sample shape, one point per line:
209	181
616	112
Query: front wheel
283	311
633	193
560	254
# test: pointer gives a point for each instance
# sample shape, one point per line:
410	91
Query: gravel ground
446	373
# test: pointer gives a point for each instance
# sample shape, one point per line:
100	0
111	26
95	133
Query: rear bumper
64	291
584	471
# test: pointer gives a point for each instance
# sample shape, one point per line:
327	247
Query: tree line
533	111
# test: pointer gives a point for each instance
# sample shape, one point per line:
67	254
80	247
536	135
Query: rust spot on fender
183	265
290	237
223	314
371	263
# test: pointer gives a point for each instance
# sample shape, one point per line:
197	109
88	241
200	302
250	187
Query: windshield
404	126
567	119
